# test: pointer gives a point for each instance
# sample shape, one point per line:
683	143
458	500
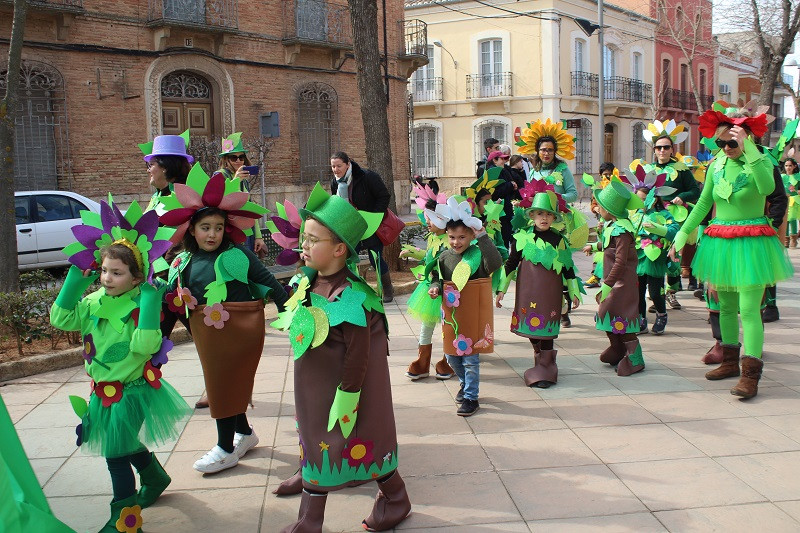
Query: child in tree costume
791	178
618	314
542	260
656	228
741	253
420	305
607	171
222	286
490	213
130	406
461	274
343	399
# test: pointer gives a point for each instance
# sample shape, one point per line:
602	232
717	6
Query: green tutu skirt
144	416
424	308
741	254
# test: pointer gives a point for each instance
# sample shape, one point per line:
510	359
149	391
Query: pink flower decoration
452	298
180	297
215	315
463	345
227	145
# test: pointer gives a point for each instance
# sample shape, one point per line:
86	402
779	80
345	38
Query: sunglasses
662	147
732	144
237	157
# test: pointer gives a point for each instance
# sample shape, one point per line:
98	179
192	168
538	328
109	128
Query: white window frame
637	52
428	171
480	153
422	84
585	57
475	53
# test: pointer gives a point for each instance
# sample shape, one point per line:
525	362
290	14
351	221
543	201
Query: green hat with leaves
617	199
545	201
338	215
232	144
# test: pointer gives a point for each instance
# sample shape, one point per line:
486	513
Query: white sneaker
216	460
244	443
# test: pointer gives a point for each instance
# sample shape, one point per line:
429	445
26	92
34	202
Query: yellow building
495	66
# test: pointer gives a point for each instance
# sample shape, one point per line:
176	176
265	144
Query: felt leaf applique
284	320
235	264
372	302
678	212
349	307
116	352
299	294
461	274
79	405
301	332
723	189
321	326
652	252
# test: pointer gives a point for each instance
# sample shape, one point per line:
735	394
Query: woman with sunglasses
740	253
233	159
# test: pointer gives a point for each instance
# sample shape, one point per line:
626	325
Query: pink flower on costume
463	345
215	315
180	297
227	145
452	298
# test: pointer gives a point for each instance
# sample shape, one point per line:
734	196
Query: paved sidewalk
663	450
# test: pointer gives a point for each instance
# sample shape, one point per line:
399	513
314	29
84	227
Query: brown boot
202	403
388	289
633	361
751	373
421	367
714	355
443	369
311	514
615	352
793	241
544	372
730	364
392	505
291	486
786	241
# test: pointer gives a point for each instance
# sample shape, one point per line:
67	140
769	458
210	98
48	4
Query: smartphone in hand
252	170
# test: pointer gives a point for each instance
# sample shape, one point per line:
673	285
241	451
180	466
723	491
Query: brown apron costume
473	315
619	271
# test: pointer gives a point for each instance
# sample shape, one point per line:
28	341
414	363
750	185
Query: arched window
186	102
426	151
583	147
41	148
639	151
484	130
318	130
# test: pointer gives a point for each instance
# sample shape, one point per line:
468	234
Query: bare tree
9	274
775	24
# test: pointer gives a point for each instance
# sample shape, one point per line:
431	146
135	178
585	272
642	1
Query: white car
44	226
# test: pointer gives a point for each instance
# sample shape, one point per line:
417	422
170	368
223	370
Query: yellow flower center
109	390
302	453
177	301
618	325
151	376
87	348
358	451
215	316
535	322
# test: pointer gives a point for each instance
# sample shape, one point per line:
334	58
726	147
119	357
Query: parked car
44	223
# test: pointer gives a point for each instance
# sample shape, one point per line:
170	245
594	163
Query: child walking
130	406
543	261
618	314
222	286
462	275
343	400
607	170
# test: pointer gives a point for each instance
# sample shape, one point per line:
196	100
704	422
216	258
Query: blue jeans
468	370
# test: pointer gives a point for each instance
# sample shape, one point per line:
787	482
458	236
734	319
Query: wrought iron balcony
426	90
684	100
615	88
216	14
318	23
489	85
415	33
585	84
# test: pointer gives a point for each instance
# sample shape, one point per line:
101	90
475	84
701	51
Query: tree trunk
9	273
372	92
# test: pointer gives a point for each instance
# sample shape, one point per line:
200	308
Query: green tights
746	302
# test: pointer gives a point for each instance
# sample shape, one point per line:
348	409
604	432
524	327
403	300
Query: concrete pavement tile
61	395
187	386
197	435
592	412
504	417
621	523
48	415
569	492
422	395
579	386
734	436
271	382
536	449
54	376
789	425
265	404
749	517
286	432
775	475
440	420
82	513
250	472
183	368
442	454
636	443
40	443
211	511
509	527
285	462
27	393
80	475
783	373
45	468
504	390
274	363
792	508
652	381
596	365
17	412
777	400
683	406
684	483
458	500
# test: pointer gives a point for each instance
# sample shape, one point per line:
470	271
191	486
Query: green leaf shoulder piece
117	310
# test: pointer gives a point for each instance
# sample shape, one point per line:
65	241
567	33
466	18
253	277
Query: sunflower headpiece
755	117
655	130
565	143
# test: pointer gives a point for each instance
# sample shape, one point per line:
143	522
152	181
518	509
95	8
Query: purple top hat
169	145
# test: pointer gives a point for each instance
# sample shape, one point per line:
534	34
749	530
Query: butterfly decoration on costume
487	340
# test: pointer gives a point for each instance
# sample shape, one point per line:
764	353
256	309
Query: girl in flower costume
618	313
543	262
130	406
222	287
791	178
420	305
339	338
479	195
656	228
740	252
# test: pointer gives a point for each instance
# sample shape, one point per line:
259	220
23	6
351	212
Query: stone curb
37	364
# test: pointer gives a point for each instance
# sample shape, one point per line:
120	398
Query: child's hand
672	253
498	299
587	249
433	292
576	303
598	296
88	272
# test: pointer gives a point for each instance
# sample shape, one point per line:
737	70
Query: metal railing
615	88
211	13
585	84
489	85
684	100
318	22
415	34
426	89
